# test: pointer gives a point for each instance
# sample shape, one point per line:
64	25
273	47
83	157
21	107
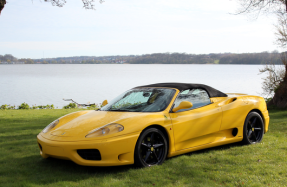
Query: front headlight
105	130
50	126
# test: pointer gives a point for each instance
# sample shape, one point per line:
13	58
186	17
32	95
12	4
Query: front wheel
151	148
253	129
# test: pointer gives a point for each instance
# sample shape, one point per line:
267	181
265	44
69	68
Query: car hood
77	128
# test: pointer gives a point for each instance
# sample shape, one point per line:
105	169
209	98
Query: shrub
35	107
71	105
41	107
7	107
93	107
24	106
50	106
4	107
11	107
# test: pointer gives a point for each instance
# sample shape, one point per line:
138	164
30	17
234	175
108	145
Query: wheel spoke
155	155
254	136
249	124
147	155
254	121
151	148
253	129
157	145
152	137
145	145
249	134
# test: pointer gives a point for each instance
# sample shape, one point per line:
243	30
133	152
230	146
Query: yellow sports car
148	123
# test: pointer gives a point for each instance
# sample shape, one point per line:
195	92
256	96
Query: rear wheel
253	129
151	148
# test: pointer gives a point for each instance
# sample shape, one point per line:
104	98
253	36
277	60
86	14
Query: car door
197	125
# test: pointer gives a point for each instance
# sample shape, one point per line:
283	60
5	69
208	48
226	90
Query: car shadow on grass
208	150
36	170
65	165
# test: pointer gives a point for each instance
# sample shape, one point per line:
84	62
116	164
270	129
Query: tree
88	4
8	57
281	30
255	7
26	60
2	4
276	81
275	76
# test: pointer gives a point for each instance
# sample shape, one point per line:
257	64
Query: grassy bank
264	164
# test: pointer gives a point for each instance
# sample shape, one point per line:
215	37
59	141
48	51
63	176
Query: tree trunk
280	97
2	4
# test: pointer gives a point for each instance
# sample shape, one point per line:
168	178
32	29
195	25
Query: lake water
48	84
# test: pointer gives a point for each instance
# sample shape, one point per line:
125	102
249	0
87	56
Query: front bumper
114	151
266	120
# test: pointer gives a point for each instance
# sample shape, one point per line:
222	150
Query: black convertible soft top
184	86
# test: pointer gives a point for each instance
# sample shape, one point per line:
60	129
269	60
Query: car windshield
141	100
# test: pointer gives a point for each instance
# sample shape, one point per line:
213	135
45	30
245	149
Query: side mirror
104	103
183	105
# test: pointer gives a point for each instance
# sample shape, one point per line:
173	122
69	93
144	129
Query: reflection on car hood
79	127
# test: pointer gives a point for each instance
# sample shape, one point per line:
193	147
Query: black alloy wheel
151	148
253	128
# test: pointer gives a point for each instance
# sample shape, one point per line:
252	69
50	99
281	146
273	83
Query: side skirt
223	138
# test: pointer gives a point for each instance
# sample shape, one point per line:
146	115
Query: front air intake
40	146
89	154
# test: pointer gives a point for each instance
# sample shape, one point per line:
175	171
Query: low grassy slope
263	164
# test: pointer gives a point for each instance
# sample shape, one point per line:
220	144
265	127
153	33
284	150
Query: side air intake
235	132
232	100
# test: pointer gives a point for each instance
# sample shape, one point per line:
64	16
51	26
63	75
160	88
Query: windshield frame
173	94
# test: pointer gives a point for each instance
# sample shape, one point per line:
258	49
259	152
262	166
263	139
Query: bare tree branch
275	75
2	4
275	84
281	30
255	7
88	4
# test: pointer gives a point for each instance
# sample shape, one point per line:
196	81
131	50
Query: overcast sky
33	28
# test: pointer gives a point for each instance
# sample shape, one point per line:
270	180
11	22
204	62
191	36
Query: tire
151	148
253	129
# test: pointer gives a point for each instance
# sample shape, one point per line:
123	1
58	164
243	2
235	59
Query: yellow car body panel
195	123
204	127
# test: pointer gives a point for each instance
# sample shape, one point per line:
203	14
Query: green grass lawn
264	164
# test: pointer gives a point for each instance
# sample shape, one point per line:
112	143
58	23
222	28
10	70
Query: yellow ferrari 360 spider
148	123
